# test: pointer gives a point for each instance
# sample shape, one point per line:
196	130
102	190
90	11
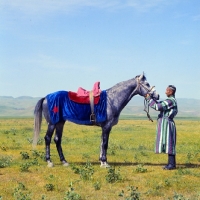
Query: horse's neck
122	93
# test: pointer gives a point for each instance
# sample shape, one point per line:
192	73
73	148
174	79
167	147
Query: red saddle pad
82	99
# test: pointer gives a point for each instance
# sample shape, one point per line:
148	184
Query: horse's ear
141	76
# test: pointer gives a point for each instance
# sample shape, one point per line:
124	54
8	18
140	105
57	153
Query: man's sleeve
160	106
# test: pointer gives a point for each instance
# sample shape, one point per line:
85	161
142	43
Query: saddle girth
92	116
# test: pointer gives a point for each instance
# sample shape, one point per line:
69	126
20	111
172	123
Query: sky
52	45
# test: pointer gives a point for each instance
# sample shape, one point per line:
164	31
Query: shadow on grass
137	163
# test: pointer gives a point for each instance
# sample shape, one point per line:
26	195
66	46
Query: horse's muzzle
155	96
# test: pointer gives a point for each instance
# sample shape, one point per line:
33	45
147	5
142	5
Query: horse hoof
104	165
49	164
65	164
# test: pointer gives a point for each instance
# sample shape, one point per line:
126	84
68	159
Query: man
166	129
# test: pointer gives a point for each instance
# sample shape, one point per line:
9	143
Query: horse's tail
37	121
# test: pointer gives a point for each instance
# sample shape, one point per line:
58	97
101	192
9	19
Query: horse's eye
147	85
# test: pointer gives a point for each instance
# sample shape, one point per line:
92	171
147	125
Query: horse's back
59	107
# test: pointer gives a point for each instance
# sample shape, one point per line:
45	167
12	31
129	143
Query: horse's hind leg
104	146
47	138
58	139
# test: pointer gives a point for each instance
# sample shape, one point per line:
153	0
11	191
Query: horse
117	97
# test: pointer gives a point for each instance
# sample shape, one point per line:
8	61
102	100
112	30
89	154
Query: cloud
49	6
71	6
146	5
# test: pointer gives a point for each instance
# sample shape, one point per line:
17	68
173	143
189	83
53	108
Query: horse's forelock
143	78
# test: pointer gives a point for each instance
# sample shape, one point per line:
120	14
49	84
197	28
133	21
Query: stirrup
92	117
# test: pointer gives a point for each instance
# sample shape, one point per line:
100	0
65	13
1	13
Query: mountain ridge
23	106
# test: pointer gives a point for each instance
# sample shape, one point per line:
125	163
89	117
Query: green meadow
135	173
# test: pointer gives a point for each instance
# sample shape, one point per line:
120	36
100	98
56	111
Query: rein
146	109
146	106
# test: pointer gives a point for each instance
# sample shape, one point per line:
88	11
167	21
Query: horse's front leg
47	138
58	139
104	146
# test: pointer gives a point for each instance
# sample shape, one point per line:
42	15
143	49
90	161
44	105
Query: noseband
146	88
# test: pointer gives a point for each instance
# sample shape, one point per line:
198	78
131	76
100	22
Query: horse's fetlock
48	159
103	159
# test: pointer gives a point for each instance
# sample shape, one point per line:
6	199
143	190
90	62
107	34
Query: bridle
146	105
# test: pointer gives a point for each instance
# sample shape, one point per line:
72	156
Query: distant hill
24	107
20	106
186	107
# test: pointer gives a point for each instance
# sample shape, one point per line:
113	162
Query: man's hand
147	95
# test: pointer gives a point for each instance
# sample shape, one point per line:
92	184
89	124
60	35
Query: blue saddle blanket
61	108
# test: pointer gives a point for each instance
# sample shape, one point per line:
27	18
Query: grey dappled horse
118	97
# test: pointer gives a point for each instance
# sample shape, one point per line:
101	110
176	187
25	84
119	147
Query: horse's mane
123	82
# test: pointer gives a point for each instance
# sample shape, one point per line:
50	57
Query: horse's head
145	88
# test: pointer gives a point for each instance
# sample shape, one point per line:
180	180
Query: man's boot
172	162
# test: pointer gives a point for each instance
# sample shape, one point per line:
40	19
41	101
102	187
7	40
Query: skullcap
172	87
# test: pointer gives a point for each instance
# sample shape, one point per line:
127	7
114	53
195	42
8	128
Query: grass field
135	173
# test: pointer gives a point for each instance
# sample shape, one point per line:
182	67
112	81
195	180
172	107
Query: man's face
168	92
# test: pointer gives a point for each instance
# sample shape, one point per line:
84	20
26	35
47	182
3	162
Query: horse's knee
57	140
47	139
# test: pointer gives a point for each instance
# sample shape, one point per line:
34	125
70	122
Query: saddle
73	96
87	97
